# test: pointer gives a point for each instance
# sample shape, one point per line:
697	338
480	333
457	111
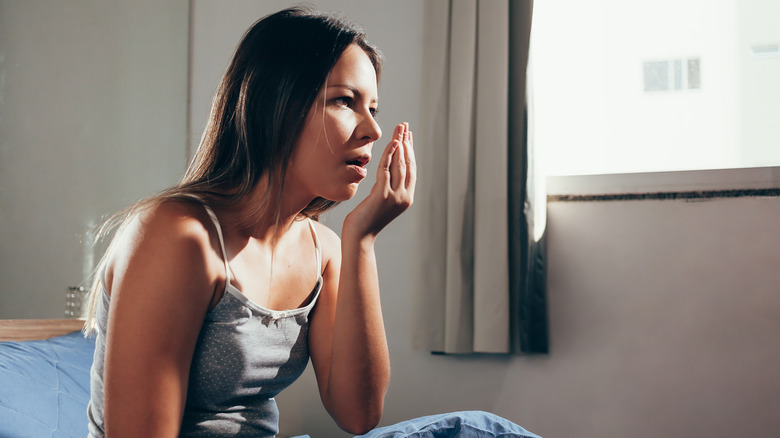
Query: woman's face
330	158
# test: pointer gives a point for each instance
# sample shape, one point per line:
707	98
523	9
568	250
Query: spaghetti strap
317	248
214	219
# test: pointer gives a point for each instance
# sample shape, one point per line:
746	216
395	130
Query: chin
344	195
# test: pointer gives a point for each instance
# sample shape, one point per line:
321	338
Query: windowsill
694	184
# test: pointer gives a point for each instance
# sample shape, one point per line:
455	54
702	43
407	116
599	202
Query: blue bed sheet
44	387
44	391
463	424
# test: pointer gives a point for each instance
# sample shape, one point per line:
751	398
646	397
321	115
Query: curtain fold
527	198
475	220
491	264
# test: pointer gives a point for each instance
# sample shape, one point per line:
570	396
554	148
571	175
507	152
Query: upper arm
324	314
161	283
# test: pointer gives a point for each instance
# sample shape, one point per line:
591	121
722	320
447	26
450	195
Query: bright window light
655	85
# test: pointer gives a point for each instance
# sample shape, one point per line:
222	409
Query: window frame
685	184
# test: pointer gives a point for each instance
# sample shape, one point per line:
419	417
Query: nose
369	129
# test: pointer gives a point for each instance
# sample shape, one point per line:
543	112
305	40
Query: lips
358	166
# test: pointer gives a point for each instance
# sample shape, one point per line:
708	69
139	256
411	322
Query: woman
213	294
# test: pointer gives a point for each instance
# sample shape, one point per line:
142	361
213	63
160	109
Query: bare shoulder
164	224
176	234
179	218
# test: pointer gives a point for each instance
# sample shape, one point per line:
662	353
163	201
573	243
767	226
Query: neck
262	215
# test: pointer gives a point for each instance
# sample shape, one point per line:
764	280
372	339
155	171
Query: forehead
354	70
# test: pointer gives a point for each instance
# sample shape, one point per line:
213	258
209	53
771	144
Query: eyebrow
352	89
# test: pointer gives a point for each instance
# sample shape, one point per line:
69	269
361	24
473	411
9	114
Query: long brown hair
257	116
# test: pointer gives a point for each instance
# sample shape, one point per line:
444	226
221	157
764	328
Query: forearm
360	364
355	357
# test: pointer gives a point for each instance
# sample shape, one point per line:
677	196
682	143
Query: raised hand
393	191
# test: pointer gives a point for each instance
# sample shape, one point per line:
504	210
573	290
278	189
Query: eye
374	112
342	101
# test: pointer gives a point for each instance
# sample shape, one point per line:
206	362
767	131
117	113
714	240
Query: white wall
664	318
93	106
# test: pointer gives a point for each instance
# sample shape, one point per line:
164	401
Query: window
655	86
676	74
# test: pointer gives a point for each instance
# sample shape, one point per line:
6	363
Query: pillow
44	387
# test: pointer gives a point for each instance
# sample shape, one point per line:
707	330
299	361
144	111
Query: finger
411	164
398	133
395	143
383	172
408	145
398	163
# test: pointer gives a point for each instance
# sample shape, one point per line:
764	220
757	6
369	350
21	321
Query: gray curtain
480	282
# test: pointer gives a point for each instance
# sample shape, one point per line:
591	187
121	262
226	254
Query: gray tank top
245	355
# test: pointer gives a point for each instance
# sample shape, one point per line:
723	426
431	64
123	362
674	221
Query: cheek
307	145
339	128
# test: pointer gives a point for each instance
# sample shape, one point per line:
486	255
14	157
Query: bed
44	378
44	389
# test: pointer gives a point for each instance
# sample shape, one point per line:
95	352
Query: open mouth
360	161
358	166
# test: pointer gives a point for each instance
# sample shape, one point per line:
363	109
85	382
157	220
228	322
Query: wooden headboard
32	329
